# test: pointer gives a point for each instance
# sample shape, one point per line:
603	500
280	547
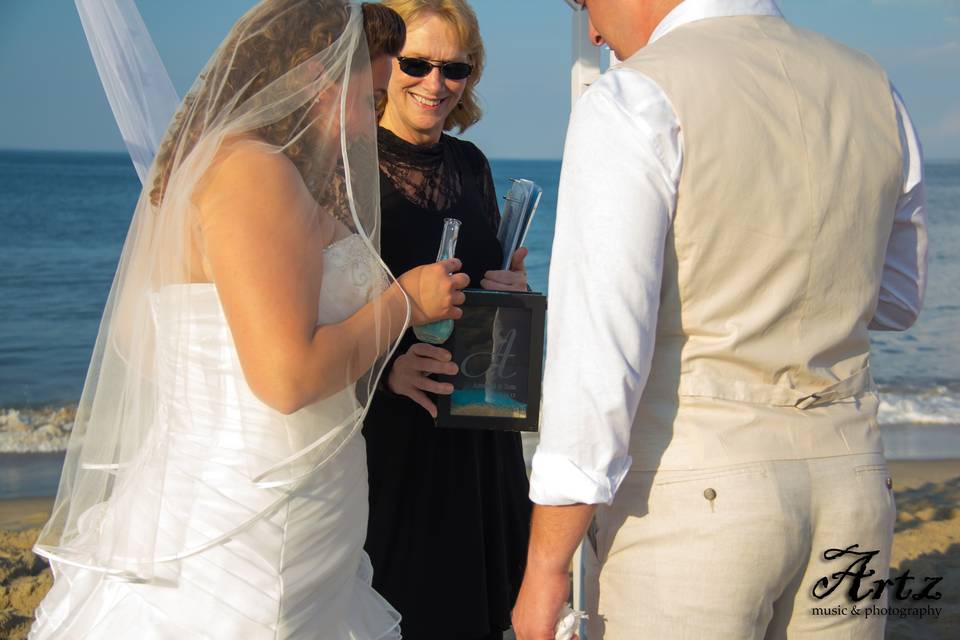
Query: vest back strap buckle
808	401
848	388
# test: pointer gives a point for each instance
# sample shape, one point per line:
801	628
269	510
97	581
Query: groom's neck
641	19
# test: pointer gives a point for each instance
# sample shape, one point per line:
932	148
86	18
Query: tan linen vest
792	169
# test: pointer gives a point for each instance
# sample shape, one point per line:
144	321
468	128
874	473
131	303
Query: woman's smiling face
417	108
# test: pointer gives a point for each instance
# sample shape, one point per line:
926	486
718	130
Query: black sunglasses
420	68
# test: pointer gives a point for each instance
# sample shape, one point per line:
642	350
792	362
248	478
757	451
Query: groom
741	200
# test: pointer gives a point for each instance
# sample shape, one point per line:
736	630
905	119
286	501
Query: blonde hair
464	21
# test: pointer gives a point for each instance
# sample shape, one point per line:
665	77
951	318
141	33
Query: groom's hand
514	279
543	594
555	533
408	376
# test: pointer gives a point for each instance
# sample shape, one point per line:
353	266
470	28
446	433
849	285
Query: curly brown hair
386	32
269	41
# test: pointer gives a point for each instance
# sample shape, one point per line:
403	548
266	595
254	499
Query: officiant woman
449	513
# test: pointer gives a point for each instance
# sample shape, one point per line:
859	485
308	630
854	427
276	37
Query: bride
215	481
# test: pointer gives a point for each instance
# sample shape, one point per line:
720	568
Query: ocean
64	216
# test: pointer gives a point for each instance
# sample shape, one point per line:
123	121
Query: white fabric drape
292	86
138	88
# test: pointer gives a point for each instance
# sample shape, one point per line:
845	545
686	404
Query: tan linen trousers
735	552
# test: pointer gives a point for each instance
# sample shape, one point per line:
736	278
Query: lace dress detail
442	494
432	176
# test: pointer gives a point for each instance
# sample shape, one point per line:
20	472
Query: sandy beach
927	544
24	578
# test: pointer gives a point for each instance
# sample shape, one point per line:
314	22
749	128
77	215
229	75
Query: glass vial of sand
438	332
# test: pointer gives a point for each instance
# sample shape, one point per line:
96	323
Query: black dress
449	513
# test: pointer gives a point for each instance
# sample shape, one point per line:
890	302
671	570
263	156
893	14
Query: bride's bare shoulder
248	172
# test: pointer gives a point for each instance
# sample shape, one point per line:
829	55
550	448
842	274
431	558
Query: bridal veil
315	105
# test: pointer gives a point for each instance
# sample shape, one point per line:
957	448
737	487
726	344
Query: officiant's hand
408	377
514	279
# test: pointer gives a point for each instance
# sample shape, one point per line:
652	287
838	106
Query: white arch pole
585	68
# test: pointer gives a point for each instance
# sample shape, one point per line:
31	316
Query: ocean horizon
64	216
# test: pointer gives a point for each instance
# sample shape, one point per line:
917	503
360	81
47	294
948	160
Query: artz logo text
857	571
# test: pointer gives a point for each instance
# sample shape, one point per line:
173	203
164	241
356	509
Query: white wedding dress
273	563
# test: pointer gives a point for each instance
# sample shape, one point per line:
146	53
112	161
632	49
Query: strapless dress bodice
237	558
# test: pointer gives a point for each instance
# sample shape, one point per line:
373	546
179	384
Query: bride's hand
408	376
435	291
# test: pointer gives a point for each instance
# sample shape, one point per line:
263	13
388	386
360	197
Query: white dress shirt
618	190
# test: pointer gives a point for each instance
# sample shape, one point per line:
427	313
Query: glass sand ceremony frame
498	346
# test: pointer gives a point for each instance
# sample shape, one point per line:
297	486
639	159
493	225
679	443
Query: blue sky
51	97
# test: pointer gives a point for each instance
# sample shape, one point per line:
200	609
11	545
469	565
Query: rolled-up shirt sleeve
617	197
904	281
